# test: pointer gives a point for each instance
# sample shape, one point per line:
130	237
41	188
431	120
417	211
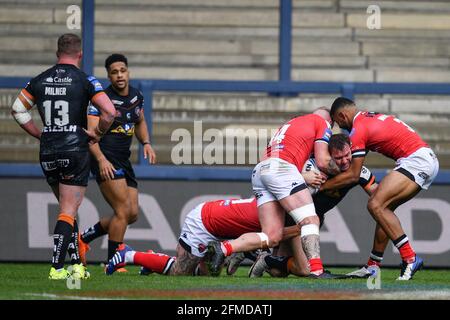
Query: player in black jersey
62	94
290	257
111	157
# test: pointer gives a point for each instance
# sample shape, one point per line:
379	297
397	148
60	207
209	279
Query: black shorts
67	167
123	167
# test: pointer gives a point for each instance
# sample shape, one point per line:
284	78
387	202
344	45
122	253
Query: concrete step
411	75
400	34
396	6
301	4
421	21
186	32
406	49
195	60
187	46
380	62
210	17
422	106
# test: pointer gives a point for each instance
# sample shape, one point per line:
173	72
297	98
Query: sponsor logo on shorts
63	163
258	195
49	165
423	175
184	235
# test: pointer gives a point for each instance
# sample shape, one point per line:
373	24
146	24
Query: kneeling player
209	221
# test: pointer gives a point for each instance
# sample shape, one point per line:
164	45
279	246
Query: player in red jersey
209	221
279	187
416	168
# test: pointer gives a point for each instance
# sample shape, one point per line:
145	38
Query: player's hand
149	153
106	168
312	178
93	136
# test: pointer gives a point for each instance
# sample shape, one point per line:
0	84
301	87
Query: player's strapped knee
309	229
302	213
264	240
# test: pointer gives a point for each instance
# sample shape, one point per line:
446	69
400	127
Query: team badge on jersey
97	85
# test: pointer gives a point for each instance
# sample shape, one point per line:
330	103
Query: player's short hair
339	103
338	141
115	57
69	44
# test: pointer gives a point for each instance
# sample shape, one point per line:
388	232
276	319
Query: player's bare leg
116	194
301	207
394	190
133	213
288	259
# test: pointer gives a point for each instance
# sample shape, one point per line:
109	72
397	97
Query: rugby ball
310	165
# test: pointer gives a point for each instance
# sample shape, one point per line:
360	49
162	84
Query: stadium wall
346	238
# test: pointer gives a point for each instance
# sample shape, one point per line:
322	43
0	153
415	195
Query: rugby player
110	162
289	258
279	188
416	168
62	94
209	221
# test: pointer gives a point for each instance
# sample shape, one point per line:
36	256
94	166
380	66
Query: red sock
407	252
156	262
226	248
373	263
315	266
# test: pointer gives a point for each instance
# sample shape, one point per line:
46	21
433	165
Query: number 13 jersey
62	94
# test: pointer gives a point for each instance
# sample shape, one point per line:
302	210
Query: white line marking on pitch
413	294
56	296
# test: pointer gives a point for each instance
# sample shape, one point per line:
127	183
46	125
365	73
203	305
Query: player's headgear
115	57
339	103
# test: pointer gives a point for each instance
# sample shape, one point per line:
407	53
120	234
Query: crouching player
209	221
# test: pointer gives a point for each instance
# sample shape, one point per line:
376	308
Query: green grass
29	281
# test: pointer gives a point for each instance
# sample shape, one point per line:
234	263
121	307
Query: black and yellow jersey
118	139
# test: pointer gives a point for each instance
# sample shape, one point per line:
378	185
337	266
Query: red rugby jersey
294	141
384	134
229	219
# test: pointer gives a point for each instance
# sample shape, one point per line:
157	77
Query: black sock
61	239
73	250
251	255
112	246
279	263
93	233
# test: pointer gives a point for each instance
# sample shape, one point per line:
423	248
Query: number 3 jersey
128	111
62	94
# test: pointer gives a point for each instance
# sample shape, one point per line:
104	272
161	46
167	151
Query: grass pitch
29	282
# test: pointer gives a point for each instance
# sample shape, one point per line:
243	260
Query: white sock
129	257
